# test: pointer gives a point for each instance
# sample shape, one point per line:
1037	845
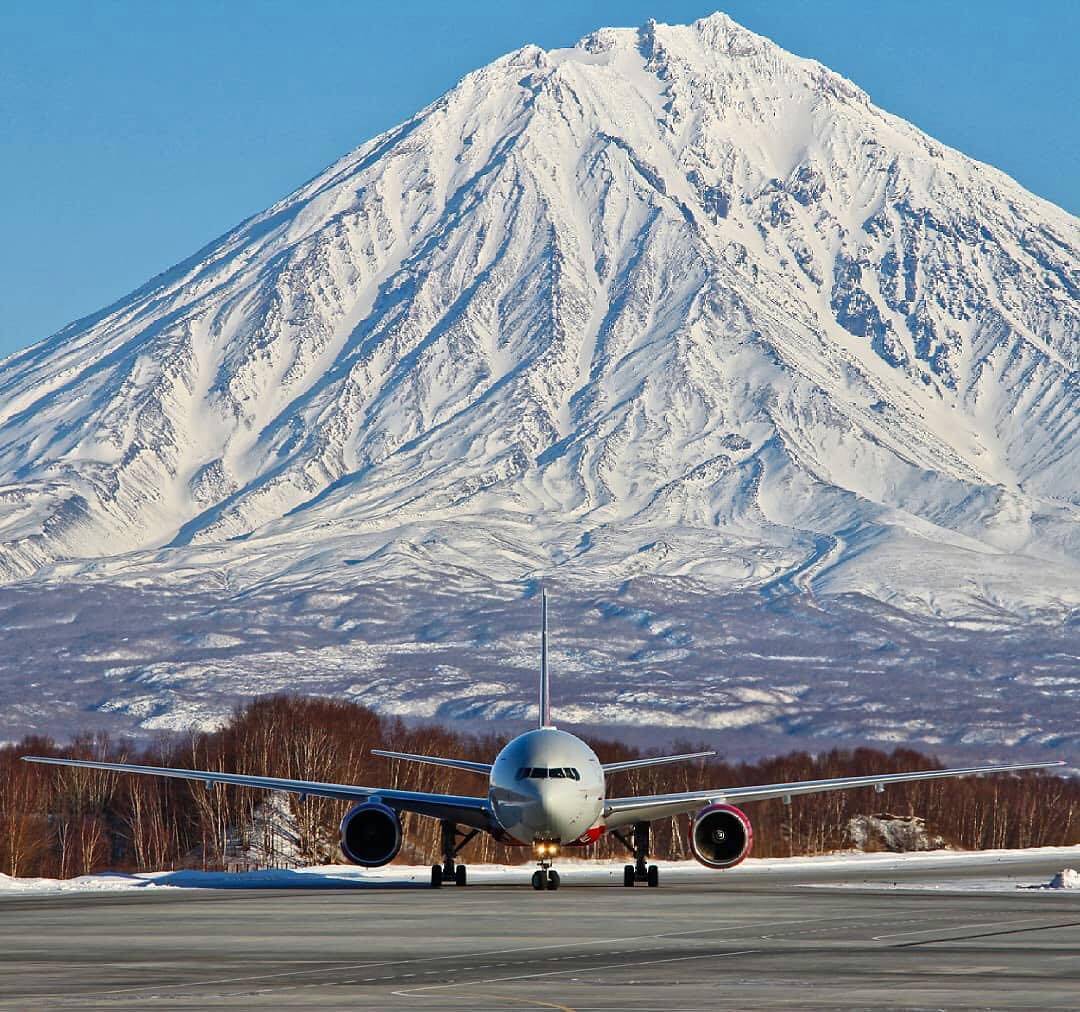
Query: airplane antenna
545	691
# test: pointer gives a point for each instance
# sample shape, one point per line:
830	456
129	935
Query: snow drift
1067	878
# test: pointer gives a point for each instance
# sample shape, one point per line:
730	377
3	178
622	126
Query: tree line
60	822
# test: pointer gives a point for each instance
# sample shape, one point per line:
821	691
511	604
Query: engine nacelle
721	836
371	834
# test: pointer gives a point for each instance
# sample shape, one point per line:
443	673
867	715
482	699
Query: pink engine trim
747	825
590	836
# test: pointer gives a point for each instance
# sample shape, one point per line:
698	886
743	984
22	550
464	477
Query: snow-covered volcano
672	301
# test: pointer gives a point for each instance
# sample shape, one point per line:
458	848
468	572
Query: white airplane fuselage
547	786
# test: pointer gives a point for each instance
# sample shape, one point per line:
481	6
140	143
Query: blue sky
133	133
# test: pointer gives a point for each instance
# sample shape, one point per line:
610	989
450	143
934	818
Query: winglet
545	688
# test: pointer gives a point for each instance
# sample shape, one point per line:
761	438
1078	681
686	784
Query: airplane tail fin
545	685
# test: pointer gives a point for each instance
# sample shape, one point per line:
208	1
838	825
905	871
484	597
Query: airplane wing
468	811
431	760
633	764
622	811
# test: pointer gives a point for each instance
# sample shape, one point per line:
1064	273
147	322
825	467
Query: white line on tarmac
409	992
956	927
368	965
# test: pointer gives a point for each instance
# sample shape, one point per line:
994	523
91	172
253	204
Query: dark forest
64	822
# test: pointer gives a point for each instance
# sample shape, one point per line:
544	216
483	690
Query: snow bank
1067	878
572	870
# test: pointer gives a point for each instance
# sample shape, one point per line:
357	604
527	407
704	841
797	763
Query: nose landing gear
453	841
545	877
640	870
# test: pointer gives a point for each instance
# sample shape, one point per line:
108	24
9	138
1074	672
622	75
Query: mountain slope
671	301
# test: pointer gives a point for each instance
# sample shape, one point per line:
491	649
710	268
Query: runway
705	941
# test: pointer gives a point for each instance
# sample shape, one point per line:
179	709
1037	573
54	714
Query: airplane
547	790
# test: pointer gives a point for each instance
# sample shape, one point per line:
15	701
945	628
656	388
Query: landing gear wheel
553	880
538	880
453	841
640	870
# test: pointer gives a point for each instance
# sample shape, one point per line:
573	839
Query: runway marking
576	969
989	934
369	964
849	925
948	927
535	1003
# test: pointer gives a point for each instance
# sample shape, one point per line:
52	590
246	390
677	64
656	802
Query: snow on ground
582	871
1067	878
990	884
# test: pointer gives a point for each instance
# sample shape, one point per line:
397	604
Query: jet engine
371	834
721	836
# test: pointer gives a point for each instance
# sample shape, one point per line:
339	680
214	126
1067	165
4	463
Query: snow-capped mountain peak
672	300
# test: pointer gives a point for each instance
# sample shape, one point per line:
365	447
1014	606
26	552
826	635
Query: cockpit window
543	773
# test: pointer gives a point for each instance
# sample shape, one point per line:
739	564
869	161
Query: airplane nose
543	808
533	796
529	789
553	810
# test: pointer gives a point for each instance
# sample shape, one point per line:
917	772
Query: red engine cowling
721	836
371	834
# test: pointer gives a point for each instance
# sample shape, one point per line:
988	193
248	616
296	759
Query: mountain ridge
672	301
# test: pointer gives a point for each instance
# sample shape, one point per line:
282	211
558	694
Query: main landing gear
640	870
545	877
453	841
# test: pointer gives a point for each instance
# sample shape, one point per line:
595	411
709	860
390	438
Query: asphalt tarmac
708	941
